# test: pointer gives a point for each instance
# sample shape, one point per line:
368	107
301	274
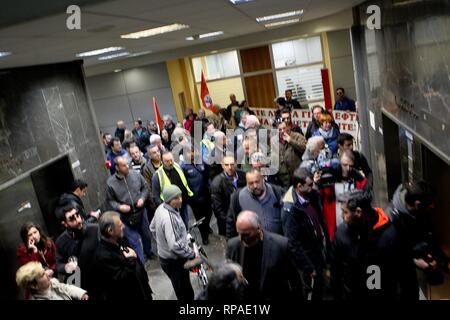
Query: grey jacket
168	229
125	190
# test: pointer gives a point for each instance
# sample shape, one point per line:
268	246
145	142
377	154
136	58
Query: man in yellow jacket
171	173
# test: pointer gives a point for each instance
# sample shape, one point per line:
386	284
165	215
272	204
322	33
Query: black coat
280	279
81	244
352	254
303	238
221	190
117	277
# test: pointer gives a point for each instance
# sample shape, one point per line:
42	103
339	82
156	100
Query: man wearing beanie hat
170	233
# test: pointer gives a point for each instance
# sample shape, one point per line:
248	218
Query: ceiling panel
46	39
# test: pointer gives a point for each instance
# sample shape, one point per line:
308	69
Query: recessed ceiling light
280	15
190	38
214	51
113	56
154	31
98	52
240	1
117	70
280	23
5	53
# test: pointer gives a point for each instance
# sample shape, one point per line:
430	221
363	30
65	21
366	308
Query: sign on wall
347	121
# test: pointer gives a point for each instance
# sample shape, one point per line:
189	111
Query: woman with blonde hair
33	278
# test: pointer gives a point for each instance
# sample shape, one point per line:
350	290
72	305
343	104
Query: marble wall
402	73
48	135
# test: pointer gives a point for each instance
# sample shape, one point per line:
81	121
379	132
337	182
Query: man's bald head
248	226
122	166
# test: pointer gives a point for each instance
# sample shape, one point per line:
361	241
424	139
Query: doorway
49	183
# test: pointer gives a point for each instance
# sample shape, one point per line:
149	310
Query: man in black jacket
119	274
222	187
79	240
409	211
366	263
266	261
304	226
78	190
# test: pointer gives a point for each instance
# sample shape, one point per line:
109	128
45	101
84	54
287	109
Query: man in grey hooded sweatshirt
170	233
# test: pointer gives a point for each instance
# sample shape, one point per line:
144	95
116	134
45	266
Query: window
305	82
297	67
216	66
297	52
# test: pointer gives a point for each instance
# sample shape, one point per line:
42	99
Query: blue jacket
197	178
345	105
331	141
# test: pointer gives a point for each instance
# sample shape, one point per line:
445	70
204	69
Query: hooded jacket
358	256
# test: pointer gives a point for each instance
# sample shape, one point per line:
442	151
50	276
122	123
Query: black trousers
179	278
200	210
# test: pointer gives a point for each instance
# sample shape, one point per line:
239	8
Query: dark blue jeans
139	238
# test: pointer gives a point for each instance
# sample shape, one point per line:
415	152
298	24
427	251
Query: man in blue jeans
126	194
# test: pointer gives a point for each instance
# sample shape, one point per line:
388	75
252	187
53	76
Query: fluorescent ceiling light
4	53
396	3
204	35
154	31
211	34
280	15
137	54
113	56
240	1
280	23
98	52
117	70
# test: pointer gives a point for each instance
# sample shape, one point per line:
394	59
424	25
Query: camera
327	165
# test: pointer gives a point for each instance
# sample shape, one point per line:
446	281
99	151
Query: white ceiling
47	40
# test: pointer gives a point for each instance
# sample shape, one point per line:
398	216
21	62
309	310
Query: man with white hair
169	125
155	140
260	253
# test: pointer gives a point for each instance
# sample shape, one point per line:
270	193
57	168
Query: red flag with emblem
206	99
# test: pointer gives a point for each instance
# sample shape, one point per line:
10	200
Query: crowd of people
295	208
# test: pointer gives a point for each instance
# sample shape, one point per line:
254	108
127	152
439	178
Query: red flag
206	99
159	122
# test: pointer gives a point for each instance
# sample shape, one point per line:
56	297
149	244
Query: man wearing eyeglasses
79	240
343	103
